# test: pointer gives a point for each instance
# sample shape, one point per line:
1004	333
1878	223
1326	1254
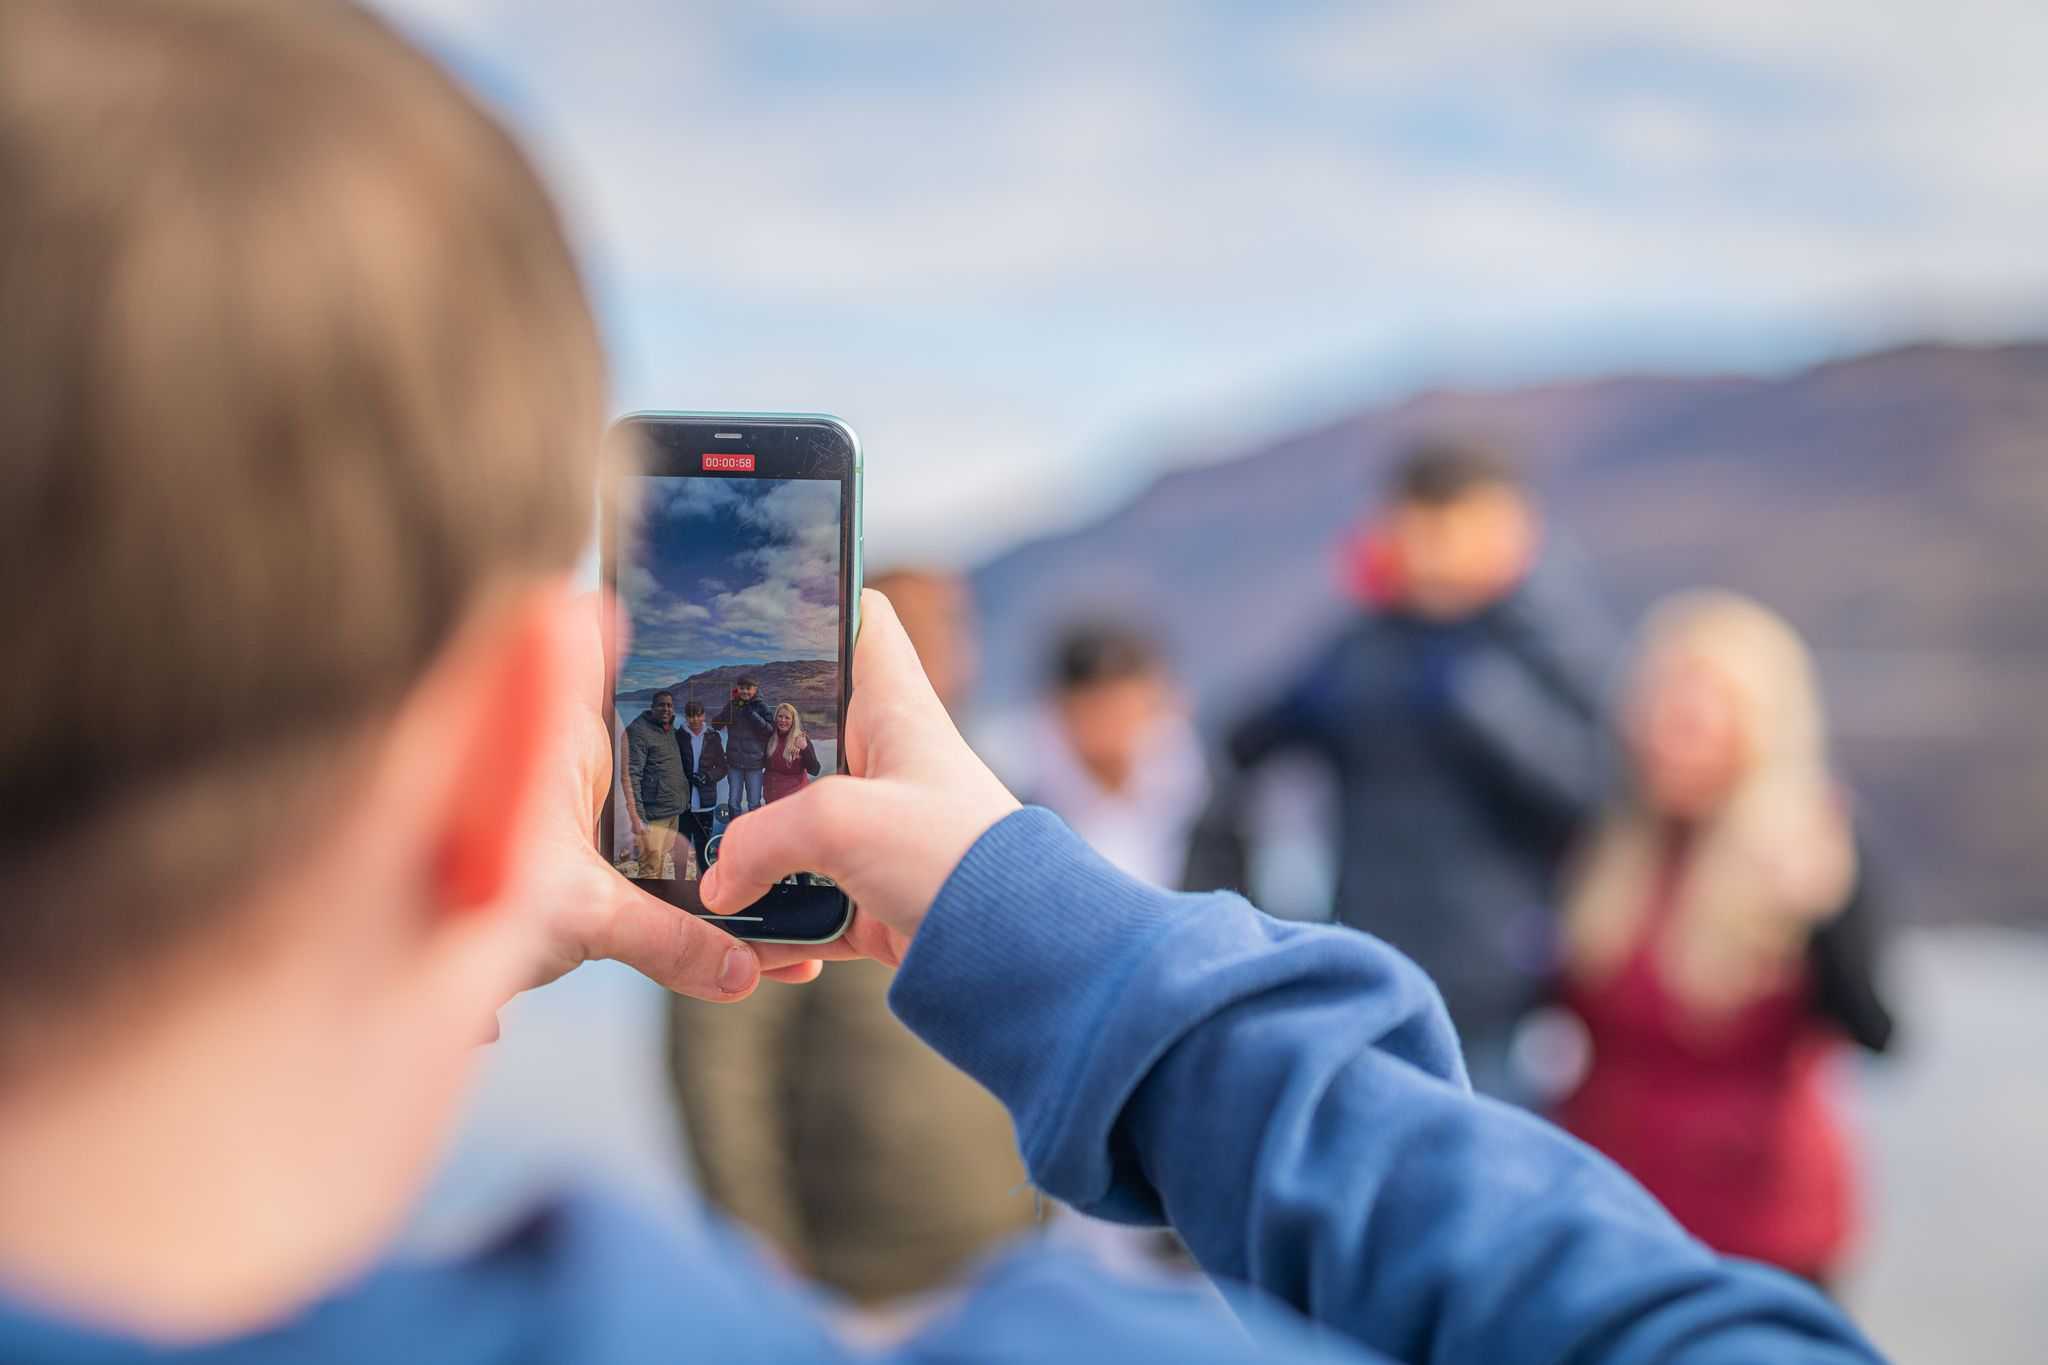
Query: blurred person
792	760
229	283
1111	750
819	1121
658	788
704	760
1460	713
1717	943
748	726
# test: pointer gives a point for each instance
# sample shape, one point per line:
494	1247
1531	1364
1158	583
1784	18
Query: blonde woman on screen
792	758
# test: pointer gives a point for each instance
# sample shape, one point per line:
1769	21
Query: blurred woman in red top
1715	944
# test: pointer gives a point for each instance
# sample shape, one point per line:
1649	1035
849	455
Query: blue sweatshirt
1289	1097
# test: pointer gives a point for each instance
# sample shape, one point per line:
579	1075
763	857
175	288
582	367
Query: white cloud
788	603
682	614
688	498
638	584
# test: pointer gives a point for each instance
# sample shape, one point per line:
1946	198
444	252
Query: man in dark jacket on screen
1460	712
748	726
657	783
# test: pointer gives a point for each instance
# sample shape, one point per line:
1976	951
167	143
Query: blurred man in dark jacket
1460	712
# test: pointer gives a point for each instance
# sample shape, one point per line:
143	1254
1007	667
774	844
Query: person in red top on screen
792	758
1715	943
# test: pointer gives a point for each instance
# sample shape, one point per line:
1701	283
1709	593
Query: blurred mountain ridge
1894	505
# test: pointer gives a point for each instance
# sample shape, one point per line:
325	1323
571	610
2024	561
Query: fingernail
736	973
707	885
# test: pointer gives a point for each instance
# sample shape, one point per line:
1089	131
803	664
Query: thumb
675	948
802	832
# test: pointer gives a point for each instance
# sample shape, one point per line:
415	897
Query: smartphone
735	548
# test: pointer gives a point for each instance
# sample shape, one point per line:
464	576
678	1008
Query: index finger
885	669
883	655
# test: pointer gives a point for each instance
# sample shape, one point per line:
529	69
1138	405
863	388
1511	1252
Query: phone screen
735	557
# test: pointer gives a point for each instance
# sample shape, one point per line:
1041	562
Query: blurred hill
813	684
1894	506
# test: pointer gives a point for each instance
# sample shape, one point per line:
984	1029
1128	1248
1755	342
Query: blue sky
1036	253
731	571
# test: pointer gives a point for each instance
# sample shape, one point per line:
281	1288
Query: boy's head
746	689
1111	689
693	715
302	399
1461	530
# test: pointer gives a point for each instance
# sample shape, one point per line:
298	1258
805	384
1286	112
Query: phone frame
659	441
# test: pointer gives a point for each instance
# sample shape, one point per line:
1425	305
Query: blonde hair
793	742
297	367
1774	860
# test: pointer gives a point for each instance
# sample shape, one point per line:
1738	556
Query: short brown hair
1442	470
1095	653
295	366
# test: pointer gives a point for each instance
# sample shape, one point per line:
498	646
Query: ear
500	751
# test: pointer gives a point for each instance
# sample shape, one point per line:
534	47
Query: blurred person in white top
1111	750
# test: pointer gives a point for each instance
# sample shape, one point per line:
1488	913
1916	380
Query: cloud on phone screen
732	571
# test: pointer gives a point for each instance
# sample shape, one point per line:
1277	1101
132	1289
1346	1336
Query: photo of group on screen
687	776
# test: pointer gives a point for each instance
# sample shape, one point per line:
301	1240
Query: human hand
1811	866
582	909
891	832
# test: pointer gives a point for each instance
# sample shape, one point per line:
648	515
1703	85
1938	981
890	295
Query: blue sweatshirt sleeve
1291	1099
